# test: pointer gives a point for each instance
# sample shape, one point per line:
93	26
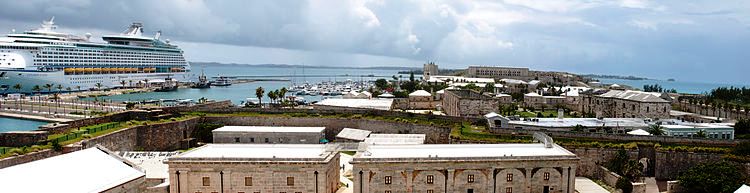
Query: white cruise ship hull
28	79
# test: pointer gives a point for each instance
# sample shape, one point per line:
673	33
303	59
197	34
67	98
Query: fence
91	130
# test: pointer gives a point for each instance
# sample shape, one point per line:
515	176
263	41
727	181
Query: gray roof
353	134
632	95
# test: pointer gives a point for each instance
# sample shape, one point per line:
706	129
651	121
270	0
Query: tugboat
168	86
222	81
202	82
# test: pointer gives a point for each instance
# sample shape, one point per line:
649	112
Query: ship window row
71	51
118	58
87	78
107	54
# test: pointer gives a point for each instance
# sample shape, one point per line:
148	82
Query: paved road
344	161
585	185
651	186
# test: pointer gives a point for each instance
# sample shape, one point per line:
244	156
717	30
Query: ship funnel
158	34
88	36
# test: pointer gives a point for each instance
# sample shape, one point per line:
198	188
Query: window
509	178
546	175
267	140
252	140
471	178
430	179
290	181
206	181
429	191
236	139
508	190
387	191
248	181
388	180
297	192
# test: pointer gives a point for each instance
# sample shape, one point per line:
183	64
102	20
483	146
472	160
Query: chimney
560	113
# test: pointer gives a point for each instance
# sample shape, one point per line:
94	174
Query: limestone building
464	168
627	104
421	99
429	69
269	134
497	72
250	168
468	103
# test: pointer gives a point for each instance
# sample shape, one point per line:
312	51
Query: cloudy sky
697	40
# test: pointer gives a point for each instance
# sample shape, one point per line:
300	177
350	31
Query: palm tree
18	89
282	93
700	134
78	88
49	90
656	130
123	83
36	89
57	99
272	95
98	86
145	82
130	83
259	93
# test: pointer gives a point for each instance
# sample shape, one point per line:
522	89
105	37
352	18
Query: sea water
13	124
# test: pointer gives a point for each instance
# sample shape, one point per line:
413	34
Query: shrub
710	177
624	185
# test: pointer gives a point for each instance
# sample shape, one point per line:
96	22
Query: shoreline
33	117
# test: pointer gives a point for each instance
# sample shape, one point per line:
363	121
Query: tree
701	134
259	93
123	83
98	86
18	89
579	128
472	86
272	95
489	87
622	165
381	84
742	126
36	89
282	93
712	177
656	130
742	149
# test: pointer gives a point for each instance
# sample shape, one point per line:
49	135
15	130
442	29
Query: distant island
194	64
614	77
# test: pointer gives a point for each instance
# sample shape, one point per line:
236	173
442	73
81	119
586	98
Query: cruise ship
44	56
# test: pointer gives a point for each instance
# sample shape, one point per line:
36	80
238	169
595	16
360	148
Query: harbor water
14	124
285	77
680	86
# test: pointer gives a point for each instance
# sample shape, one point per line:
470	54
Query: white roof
151	162
586	122
571	93
531	94
502	95
270	129
743	189
462	151
88	170
380	104
353	134
635	96
440	91
534	82
639	132
258	151
395	139
420	93
490	115
512	81
386	95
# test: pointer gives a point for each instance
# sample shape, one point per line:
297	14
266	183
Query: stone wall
21	138
711	111
156	137
623	137
669	163
434	134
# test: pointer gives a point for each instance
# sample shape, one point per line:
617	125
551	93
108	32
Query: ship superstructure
44	56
